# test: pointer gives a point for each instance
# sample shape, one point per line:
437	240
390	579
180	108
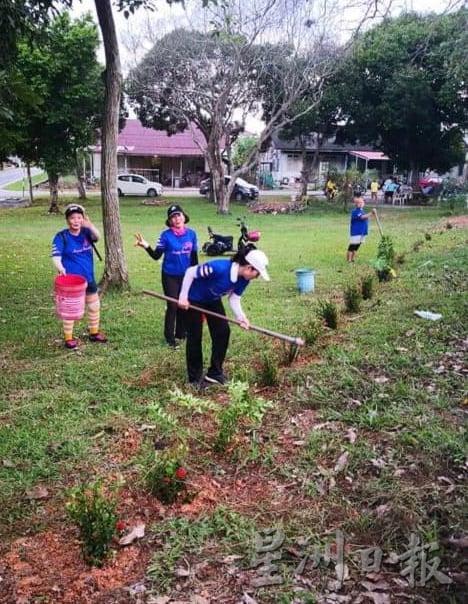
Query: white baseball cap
259	261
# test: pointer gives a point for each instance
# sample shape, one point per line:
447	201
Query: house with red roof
178	160
175	160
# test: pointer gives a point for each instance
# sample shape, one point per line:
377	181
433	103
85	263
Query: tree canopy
407	89
214	79
65	78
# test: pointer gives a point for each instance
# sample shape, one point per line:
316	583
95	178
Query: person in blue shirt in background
204	286
178	244
72	253
359	227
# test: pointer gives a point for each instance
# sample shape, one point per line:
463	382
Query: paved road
168	192
10	175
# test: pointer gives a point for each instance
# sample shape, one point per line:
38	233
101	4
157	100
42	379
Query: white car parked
133	184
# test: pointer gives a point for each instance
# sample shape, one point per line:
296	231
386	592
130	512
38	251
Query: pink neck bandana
179	232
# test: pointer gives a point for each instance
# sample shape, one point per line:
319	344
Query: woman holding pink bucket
72	255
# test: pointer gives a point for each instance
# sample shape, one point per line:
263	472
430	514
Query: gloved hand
140	241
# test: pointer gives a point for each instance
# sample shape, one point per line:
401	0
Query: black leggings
174	319
219	333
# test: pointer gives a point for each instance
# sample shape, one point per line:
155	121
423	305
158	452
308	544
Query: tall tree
215	78
320	114
408	90
65	75
24	20
115	269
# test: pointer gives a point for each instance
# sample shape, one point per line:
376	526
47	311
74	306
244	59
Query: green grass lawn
387	388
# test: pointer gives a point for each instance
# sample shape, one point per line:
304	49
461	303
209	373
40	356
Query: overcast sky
161	22
165	12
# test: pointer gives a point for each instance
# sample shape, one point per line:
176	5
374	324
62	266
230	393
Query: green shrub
269	372
328	311
367	287
385	263
312	331
94	512
165	474
352	298
241	406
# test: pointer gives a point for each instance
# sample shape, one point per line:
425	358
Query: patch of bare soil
457	222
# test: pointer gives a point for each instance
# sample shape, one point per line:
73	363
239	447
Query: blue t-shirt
213	280
177	250
76	252
358	226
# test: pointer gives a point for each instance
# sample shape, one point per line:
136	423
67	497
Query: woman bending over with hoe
204	286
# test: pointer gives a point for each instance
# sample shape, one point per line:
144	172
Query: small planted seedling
352	299
269	372
165	473
367	287
94	512
241	408
328	311
312	331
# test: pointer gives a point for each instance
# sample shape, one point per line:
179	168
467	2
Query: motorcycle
222	244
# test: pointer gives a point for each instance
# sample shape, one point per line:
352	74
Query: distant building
283	159
176	160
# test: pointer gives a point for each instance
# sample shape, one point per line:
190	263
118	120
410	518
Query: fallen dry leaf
376	586
461	542
342	462
382	510
246	599
181	572
200	600
232	558
37	492
137	532
377	597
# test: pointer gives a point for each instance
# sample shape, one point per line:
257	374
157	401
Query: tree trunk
217	170
30	185
305	172
53	188
80	178
115	270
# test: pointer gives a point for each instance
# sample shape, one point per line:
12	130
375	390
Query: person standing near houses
72	254
330	189
359	227
374	188
178	244
390	188
204	286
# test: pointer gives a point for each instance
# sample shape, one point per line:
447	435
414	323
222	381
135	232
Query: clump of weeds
312	331
269	372
352	299
367	287
328	311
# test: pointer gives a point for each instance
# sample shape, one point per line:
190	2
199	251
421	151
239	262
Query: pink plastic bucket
70	294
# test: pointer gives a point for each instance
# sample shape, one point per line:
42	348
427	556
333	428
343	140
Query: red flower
120	526
181	473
